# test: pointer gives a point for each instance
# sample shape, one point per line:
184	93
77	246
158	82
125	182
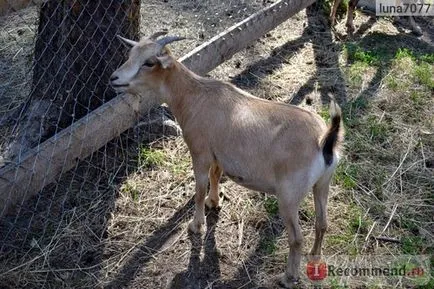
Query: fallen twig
387	239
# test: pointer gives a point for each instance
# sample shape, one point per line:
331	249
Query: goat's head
147	61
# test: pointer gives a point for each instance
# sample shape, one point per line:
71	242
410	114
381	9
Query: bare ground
119	219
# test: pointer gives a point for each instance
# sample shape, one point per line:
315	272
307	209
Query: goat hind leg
320	195
215	173
289	212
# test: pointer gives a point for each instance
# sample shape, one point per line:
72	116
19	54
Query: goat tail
334	135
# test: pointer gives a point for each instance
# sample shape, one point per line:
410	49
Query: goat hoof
289	282
312	257
195	227
210	203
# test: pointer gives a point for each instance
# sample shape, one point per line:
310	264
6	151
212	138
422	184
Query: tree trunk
76	50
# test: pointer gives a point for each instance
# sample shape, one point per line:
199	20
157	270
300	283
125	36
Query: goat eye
148	63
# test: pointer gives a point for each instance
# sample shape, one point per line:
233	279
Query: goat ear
165	60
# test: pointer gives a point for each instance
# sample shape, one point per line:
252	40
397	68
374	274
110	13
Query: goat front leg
215	173
289	212
201	176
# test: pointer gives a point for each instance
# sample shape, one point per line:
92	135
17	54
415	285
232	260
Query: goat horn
169	39
127	41
157	34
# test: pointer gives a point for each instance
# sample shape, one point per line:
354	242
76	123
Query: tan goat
262	145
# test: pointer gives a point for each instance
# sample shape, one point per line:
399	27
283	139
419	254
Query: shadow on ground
326	56
206	273
144	252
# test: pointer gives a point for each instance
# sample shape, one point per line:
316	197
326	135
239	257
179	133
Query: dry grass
119	220
16	41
